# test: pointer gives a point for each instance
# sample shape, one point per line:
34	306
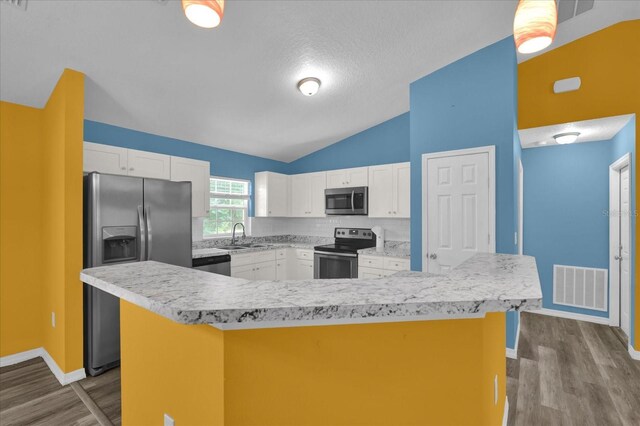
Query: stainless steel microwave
347	201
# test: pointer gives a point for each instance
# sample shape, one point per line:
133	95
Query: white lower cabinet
381	266
273	265
265	271
304	269
246	271
282	272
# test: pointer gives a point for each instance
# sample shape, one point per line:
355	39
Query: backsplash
268	239
395	229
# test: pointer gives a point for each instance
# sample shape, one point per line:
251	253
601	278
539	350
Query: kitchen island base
439	372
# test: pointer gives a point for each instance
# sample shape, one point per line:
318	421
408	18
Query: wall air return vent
568	9
580	287
20	4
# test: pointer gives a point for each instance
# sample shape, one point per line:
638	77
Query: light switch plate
495	390
53	319
168	420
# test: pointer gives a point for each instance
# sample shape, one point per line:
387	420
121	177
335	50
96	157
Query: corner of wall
62	289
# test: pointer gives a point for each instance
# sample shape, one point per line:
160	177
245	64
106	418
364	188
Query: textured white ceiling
234	87
600	129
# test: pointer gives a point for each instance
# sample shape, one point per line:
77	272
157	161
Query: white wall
395	229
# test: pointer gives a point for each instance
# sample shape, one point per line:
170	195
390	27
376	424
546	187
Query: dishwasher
216	264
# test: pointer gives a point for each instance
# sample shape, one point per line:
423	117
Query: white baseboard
513	353
634	354
572	315
505	415
20	357
63	378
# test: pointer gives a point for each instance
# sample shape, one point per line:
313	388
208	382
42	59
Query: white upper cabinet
148	164
389	190
197	172
402	189
307	194
381	191
271	194
346	178
130	162
104	159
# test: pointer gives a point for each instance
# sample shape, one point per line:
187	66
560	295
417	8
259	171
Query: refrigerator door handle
143	233
149	234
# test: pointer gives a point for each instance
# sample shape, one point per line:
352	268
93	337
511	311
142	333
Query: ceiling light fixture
534	25
309	86
565	138
204	13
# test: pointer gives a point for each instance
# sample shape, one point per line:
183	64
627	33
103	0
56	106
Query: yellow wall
21	219
608	63
413	373
42	204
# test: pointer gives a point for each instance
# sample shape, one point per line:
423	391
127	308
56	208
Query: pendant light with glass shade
204	13
534	25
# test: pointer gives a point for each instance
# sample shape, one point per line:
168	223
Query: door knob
433	256
617	257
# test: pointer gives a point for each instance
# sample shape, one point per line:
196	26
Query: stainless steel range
340	260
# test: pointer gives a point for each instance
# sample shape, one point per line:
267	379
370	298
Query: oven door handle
333	255
353	195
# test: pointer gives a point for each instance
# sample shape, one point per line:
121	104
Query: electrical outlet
495	391
53	319
168	420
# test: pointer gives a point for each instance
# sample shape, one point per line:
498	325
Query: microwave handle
353	206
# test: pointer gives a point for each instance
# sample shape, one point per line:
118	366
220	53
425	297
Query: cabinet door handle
131	168
389	212
123	168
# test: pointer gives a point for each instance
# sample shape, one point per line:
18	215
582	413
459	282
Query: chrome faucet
233	234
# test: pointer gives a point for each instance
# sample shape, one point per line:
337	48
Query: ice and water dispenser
119	243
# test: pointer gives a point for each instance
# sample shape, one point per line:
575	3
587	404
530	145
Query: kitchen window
229	204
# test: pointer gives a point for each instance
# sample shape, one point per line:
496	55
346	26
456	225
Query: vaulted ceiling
234	86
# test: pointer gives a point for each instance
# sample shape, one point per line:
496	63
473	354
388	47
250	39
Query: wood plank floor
105	392
31	395
571	373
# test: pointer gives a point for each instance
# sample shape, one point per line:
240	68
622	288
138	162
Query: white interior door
458	210
625	251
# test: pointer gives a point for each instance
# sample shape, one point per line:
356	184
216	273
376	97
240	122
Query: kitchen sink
233	247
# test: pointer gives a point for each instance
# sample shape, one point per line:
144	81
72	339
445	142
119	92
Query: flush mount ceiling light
534	25
565	138
309	86
204	13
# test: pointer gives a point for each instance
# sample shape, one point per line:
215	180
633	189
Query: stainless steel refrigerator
127	219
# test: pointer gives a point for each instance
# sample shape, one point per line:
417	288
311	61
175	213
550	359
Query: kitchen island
412	348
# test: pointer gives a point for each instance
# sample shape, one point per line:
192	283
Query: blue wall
223	162
388	142
469	103
566	195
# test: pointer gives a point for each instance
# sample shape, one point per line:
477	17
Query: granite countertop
400	249
484	283
212	247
